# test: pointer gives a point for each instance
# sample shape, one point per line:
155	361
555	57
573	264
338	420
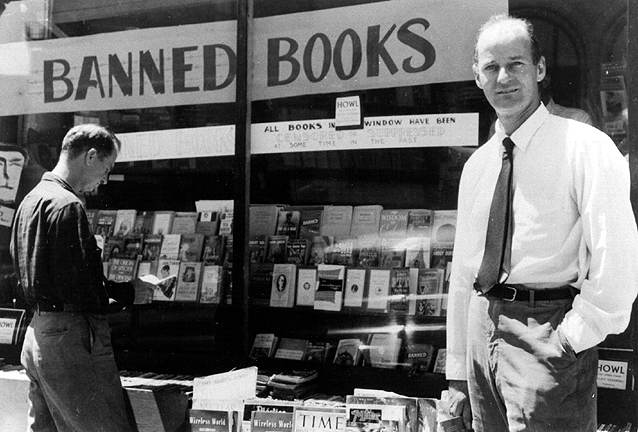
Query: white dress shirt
573	224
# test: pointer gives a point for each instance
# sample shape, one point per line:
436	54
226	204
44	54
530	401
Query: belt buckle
514	291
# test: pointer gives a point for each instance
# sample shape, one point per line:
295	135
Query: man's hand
143	291
459	402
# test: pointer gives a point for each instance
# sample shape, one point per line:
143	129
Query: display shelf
342	380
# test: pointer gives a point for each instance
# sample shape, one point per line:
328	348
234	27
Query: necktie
498	242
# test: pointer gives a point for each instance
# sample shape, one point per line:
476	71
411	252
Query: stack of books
293	385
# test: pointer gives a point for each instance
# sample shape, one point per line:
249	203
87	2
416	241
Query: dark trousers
521	376
75	384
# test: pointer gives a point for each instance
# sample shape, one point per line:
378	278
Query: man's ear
477	80
541	69
91	156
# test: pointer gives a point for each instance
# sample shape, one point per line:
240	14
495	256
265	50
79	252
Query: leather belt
522	293
44	306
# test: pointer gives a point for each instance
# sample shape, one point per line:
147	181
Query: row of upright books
373	244
367	236
331	287
380	350
364	411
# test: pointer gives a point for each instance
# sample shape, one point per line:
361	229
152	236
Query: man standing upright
545	253
67	353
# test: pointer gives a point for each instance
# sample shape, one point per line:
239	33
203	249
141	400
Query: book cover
330	283
298	251
419	223
214	247
417	252
188	281
170	246
113	248
394	223
276	249
143	223
227	280
442	254
284	279
348	352
264	346
399	293
454	424
133	244
366	220
191	247
124	222
375	418
343	251
320	419
418	358
392	252
212	284
320	250
91	217
260	283
228	250
163	221
310	223
439	363
257	248
443	226
336	220
208	223
383	350
184	223
291	349
368	251
265	405
306	286
167	268
354	292
288	223
211	421
318	351
262	219
226	223
378	288
122	269
427	414
410	404
151	247
267	421
429	292
105	224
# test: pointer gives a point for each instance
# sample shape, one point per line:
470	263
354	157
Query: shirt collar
523	135
49	176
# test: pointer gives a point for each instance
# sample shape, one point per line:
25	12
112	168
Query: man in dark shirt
67	350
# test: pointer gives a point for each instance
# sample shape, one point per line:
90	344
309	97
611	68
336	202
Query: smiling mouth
506	92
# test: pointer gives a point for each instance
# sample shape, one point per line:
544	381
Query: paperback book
188	281
212	284
284	281
329	293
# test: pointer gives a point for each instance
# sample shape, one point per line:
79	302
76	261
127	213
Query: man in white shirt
522	351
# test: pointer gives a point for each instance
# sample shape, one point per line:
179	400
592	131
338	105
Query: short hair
529	28
84	137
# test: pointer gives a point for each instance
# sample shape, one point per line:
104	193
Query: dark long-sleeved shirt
55	255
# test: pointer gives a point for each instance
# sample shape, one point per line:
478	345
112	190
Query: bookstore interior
290	172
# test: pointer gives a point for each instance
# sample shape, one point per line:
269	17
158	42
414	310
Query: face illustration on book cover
12	161
281	283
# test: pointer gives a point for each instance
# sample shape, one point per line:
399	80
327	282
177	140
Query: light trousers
74	381
522	374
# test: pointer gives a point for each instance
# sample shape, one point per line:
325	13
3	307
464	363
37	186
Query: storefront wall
166	78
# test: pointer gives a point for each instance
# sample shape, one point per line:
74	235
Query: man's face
97	170
506	71
11	165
